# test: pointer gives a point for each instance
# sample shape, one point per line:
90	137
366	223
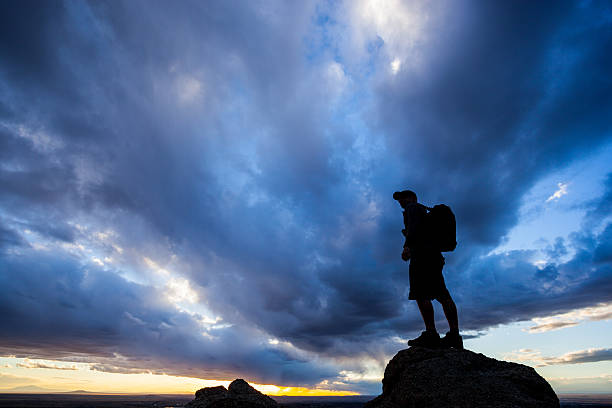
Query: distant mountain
27	389
79	392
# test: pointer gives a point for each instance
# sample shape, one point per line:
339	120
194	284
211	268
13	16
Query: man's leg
450	311
427	312
430	337
452	338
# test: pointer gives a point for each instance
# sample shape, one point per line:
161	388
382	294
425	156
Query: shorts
426	280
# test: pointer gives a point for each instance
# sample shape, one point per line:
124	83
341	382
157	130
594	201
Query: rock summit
239	394
423	378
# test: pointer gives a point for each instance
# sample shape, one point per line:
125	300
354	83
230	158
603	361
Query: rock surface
239	394
420	377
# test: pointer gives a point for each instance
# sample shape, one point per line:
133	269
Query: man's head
405	197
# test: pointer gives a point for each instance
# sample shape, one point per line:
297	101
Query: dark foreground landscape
141	401
129	401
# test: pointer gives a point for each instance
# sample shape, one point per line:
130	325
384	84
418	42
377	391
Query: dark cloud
121	370
551	326
498	107
206	137
58	309
28	32
9	238
578	357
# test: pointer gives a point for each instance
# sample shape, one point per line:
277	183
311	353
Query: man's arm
412	223
406	253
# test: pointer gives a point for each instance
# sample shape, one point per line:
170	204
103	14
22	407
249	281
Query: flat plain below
70	400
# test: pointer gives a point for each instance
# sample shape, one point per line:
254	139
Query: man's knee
423	301
445	298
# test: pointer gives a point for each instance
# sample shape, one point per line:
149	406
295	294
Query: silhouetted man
426	280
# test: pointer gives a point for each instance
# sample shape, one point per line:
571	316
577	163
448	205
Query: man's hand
406	254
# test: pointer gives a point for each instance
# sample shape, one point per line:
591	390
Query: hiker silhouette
422	247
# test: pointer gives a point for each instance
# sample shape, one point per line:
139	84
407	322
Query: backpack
443	227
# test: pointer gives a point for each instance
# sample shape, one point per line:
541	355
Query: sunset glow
59	376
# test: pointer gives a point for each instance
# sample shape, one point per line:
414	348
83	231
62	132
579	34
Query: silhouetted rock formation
420	377
238	395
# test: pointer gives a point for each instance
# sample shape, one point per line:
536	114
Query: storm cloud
204	189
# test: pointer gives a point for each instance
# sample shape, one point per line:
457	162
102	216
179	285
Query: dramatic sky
202	190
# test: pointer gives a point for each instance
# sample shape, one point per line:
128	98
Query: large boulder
421	377
239	394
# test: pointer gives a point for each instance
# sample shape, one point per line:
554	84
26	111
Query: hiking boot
426	339
453	340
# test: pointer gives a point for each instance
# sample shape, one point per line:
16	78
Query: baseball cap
399	195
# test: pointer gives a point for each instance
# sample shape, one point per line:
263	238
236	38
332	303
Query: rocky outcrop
420	377
239	394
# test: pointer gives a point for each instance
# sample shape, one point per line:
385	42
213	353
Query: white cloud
44	364
188	88
523	355
400	25
559	193
42	140
602	311
336	79
179	290
336	72
151	264
396	65
97	261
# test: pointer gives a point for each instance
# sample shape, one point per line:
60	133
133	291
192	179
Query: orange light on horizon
60	376
300	391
